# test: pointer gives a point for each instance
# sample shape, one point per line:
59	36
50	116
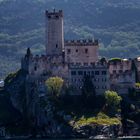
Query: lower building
123	82
98	73
122	75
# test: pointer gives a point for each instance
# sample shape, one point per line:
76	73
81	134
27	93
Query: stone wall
120	66
122	76
137	64
82	52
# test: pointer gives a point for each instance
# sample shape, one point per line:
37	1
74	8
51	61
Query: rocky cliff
15	89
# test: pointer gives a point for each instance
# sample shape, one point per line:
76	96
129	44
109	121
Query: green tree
88	87
112	98
54	85
113	101
88	92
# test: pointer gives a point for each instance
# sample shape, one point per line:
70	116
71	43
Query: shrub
54	85
113	101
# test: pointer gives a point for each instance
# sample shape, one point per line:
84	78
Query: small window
56	46
96	72
88	73
92	73
77	50
85	64
103	79
86	51
120	71
104	72
71	64
78	64
68	51
72	80
103	87
80	72
73	72
35	68
126	71
114	71
85	73
92	64
49	17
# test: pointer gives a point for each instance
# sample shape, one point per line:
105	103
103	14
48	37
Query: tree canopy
54	85
88	87
112	98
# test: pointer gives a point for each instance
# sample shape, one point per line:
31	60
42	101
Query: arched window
86	51
56	46
35	68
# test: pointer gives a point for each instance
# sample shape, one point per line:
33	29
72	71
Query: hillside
22	25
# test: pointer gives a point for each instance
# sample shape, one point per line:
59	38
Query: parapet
88	42
54	14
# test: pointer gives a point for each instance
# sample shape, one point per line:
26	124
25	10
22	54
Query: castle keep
54	33
73	59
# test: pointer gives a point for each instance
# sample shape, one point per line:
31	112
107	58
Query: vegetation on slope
100	119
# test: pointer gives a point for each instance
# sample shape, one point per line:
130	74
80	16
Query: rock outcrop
15	87
93	130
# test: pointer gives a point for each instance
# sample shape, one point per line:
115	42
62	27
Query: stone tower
54	33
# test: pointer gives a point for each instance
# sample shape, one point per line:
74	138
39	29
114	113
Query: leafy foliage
112	98
13	76
54	85
113	101
137	85
88	88
100	119
115	59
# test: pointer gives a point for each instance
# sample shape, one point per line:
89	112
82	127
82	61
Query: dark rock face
15	87
132	129
104	130
46	122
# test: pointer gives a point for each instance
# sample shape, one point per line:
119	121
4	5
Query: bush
112	98
113	101
100	119
54	85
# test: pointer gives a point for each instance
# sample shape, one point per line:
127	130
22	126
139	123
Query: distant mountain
22	25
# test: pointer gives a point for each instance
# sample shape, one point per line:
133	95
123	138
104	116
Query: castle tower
54	33
25	61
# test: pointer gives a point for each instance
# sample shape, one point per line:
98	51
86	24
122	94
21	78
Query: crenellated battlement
84	42
54	14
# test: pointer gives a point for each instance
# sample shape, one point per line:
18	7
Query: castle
72	59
